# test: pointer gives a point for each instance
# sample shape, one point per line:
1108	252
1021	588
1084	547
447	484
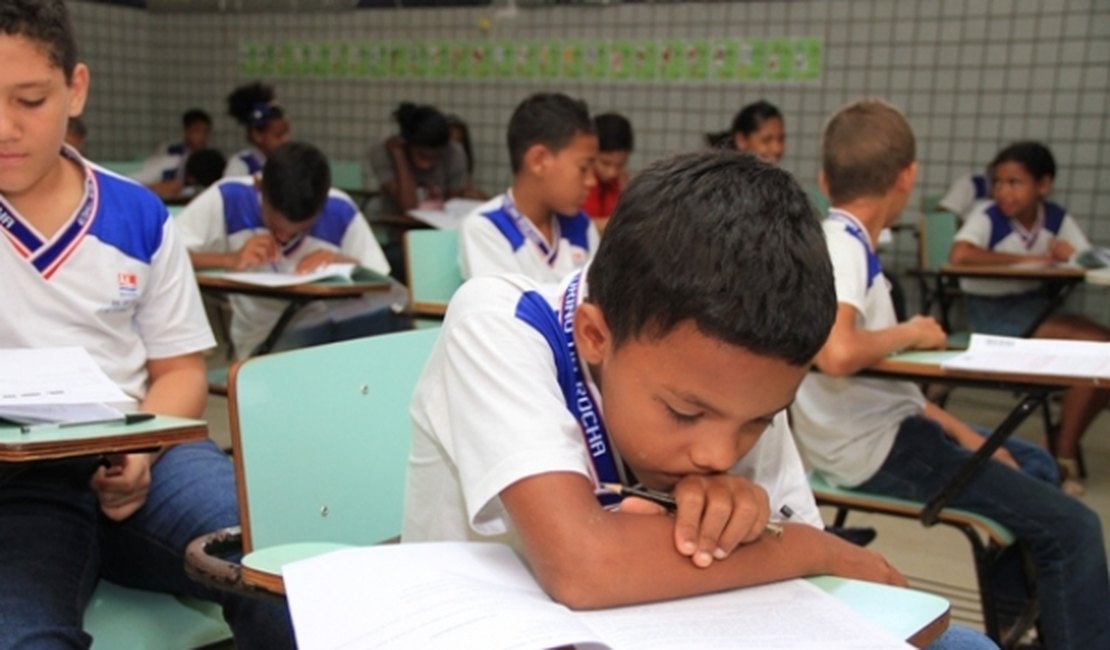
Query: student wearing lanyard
536	228
1020	225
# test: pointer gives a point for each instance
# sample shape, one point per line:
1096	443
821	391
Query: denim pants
55	545
1063	535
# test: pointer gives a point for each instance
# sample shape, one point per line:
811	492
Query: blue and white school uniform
225	216
1009	307
115	279
165	164
965	193
495	238
246	162
495	405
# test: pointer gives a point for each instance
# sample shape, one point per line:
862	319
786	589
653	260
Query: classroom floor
939	560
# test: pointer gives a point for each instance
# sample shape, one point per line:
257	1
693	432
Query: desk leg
1028	404
1060	292
287	315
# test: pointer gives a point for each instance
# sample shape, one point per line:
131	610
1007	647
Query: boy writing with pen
668	362
91	259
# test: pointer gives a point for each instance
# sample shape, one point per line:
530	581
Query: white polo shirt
165	164
491	409
114	279
846	426
965	192
988	228
495	238
229	213
245	162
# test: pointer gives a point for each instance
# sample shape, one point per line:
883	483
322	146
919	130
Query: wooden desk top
1014	272
97	439
398	221
925	365
363	281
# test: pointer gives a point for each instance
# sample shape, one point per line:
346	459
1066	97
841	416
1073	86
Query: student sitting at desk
1018	226
91	259
882	437
290	220
267	127
758	129
639	370
537	228
965	193
164	171
614	146
421	167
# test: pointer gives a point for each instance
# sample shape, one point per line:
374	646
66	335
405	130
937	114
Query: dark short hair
722	239
1033	156
204	167
752	117
614	132
422	125
295	180
864	148
252	105
548	119
194	115
47	24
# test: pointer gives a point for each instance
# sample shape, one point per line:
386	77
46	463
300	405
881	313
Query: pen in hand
668	502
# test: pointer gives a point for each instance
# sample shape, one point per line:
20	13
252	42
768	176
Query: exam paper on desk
285	279
460	595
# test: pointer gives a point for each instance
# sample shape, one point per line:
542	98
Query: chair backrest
936	231
432	269
931	203
818	199
346	175
321	439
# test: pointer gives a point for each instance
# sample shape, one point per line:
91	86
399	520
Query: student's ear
78	90
822	182
537	159
907	177
591	333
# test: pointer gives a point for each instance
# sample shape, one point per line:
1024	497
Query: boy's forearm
205	260
967	253
848	353
178	387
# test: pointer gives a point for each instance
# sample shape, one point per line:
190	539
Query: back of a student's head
204	167
722	239
548	119
865	147
1034	157
45	23
295	180
422	126
614	133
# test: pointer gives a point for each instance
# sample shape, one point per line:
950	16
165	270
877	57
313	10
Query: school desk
1059	281
925	366
298	296
97	439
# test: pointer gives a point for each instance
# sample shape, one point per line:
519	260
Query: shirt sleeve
170	317
236	167
1072	234
774	464
152	169
849	262
959	197
201	226
381	163
359	242
976	229
483	250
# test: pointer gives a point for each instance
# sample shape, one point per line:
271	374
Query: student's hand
929	335
850	561
395	145
122	487
974	441
716	513
1060	250
259	249
316	260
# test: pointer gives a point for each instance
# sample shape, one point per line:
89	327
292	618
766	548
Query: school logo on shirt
128	284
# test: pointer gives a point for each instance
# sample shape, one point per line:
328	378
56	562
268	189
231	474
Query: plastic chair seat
120	617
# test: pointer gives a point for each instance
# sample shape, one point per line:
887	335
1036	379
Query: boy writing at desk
290	220
536	228
882	437
640	369
91	259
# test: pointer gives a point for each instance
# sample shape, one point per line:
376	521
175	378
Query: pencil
665	500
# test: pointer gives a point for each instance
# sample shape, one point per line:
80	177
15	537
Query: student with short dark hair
288	219
614	144
265	123
421	166
668	361
536	228
758	128
202	169
1021	225
164	170
91	259
882	436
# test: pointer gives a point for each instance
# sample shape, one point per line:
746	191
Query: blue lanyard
548	253
583	405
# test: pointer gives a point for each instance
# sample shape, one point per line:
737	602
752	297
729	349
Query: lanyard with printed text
548	253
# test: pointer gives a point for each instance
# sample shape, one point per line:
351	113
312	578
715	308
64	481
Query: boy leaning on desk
91	259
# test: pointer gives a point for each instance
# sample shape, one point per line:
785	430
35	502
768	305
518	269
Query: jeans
55	544
1033	459
1063	535
1008	315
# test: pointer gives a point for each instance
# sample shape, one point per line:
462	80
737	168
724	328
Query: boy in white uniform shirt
537	228
289	220
883	437
634	370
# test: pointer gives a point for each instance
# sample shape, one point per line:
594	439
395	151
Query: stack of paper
1056	357
279	279
480	595
55	385
449	217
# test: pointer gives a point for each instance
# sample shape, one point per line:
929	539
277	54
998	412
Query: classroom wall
971	75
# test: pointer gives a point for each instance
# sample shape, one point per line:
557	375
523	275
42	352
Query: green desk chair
346	175
119	617
987	537
935	233
931	203
431	271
